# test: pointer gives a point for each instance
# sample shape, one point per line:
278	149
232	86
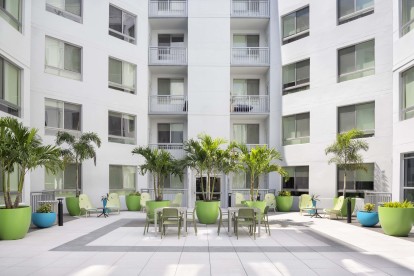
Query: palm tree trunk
214	183
252	187
344	183
202	185
19	187
208	186
77	179
6	189
155	184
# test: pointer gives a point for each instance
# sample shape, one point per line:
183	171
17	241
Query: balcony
167	8
175	149
250	56
249	104
250	8
167	56
168	104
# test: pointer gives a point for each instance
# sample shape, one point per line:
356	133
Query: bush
369	207
135	193
397	204
44	208
284	193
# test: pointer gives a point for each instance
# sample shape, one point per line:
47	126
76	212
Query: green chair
191	218
113	204
171	216
265	219
221	221
149	219
86	206
178	200
336	210
305	201
270	201
144	198
239	198
245	217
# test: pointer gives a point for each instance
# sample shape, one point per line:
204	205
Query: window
349	10
408	188
295	25
70	9
298	182
296	77
360	116
170	134
122	24
122	179
9	88
11	11
246	133
62	116
296	129
241	180
408	94
244	87
407	20
246	41
63	59
121	128
170	87
173	182
356	61
171	40
63	181
357	181
122	75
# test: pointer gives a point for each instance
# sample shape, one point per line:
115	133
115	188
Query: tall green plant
345	151
21	148
256	162
159	163
78	149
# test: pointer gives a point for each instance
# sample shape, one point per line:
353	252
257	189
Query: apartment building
288	74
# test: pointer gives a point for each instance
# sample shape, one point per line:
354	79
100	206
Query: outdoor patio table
315	213
233	211
181	210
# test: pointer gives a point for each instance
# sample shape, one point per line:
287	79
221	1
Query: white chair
85	205
238	200
270	201
144	198
114	204
178	200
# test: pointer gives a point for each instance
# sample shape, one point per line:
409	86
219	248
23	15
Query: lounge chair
336	210
85	205
113	204
239	198
270	201
178	200
144	198
305	201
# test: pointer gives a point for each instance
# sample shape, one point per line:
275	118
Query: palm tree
257	161
21	149
78	149
345	152
159	163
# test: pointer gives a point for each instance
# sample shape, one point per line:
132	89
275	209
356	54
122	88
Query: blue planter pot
367	219
43	220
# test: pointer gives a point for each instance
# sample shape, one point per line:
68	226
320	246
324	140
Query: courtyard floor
298	245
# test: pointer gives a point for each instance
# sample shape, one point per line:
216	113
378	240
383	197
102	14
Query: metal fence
377	198
169	194
36	198
250	104
253	56
168	104
253	8
246	194
168	8
167	55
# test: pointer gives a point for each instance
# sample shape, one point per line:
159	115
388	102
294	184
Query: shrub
397	204
135	193
369	207
284	193
44	208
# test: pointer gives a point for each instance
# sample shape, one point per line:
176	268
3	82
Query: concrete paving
298	245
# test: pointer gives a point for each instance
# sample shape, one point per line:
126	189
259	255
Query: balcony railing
250	56
250	8
168	8
249	104
168	104
167	56
176	149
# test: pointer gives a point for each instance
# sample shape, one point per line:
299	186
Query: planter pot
256	204
284	203
367	219
72	204
396	221
207	211
133	202
43	220
151	205
14	223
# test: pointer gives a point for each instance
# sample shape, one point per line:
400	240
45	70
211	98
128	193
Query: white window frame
367	133
128	38
302	87
6	104
295	189
66	14
348	188
295	36
122	87
404	187
54	130
7	16
123	190
407	23
355	14
403	93
66	192
125	140
296	131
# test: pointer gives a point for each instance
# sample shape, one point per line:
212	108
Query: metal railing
176	149
167	55
167	104
250	104
252	56
246	194
35	197
169	194
167	8
377	198
252	8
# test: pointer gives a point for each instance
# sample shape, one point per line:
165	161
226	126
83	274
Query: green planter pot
284	203
72	204
396	221
344	210
207	211
14	223
151	205
133	202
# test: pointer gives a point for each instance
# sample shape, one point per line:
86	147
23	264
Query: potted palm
207	156
133	201
77	150
159	163
346	156
396	218
284	201
368	217
21	151
44	217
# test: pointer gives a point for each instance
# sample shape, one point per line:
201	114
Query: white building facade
288	74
